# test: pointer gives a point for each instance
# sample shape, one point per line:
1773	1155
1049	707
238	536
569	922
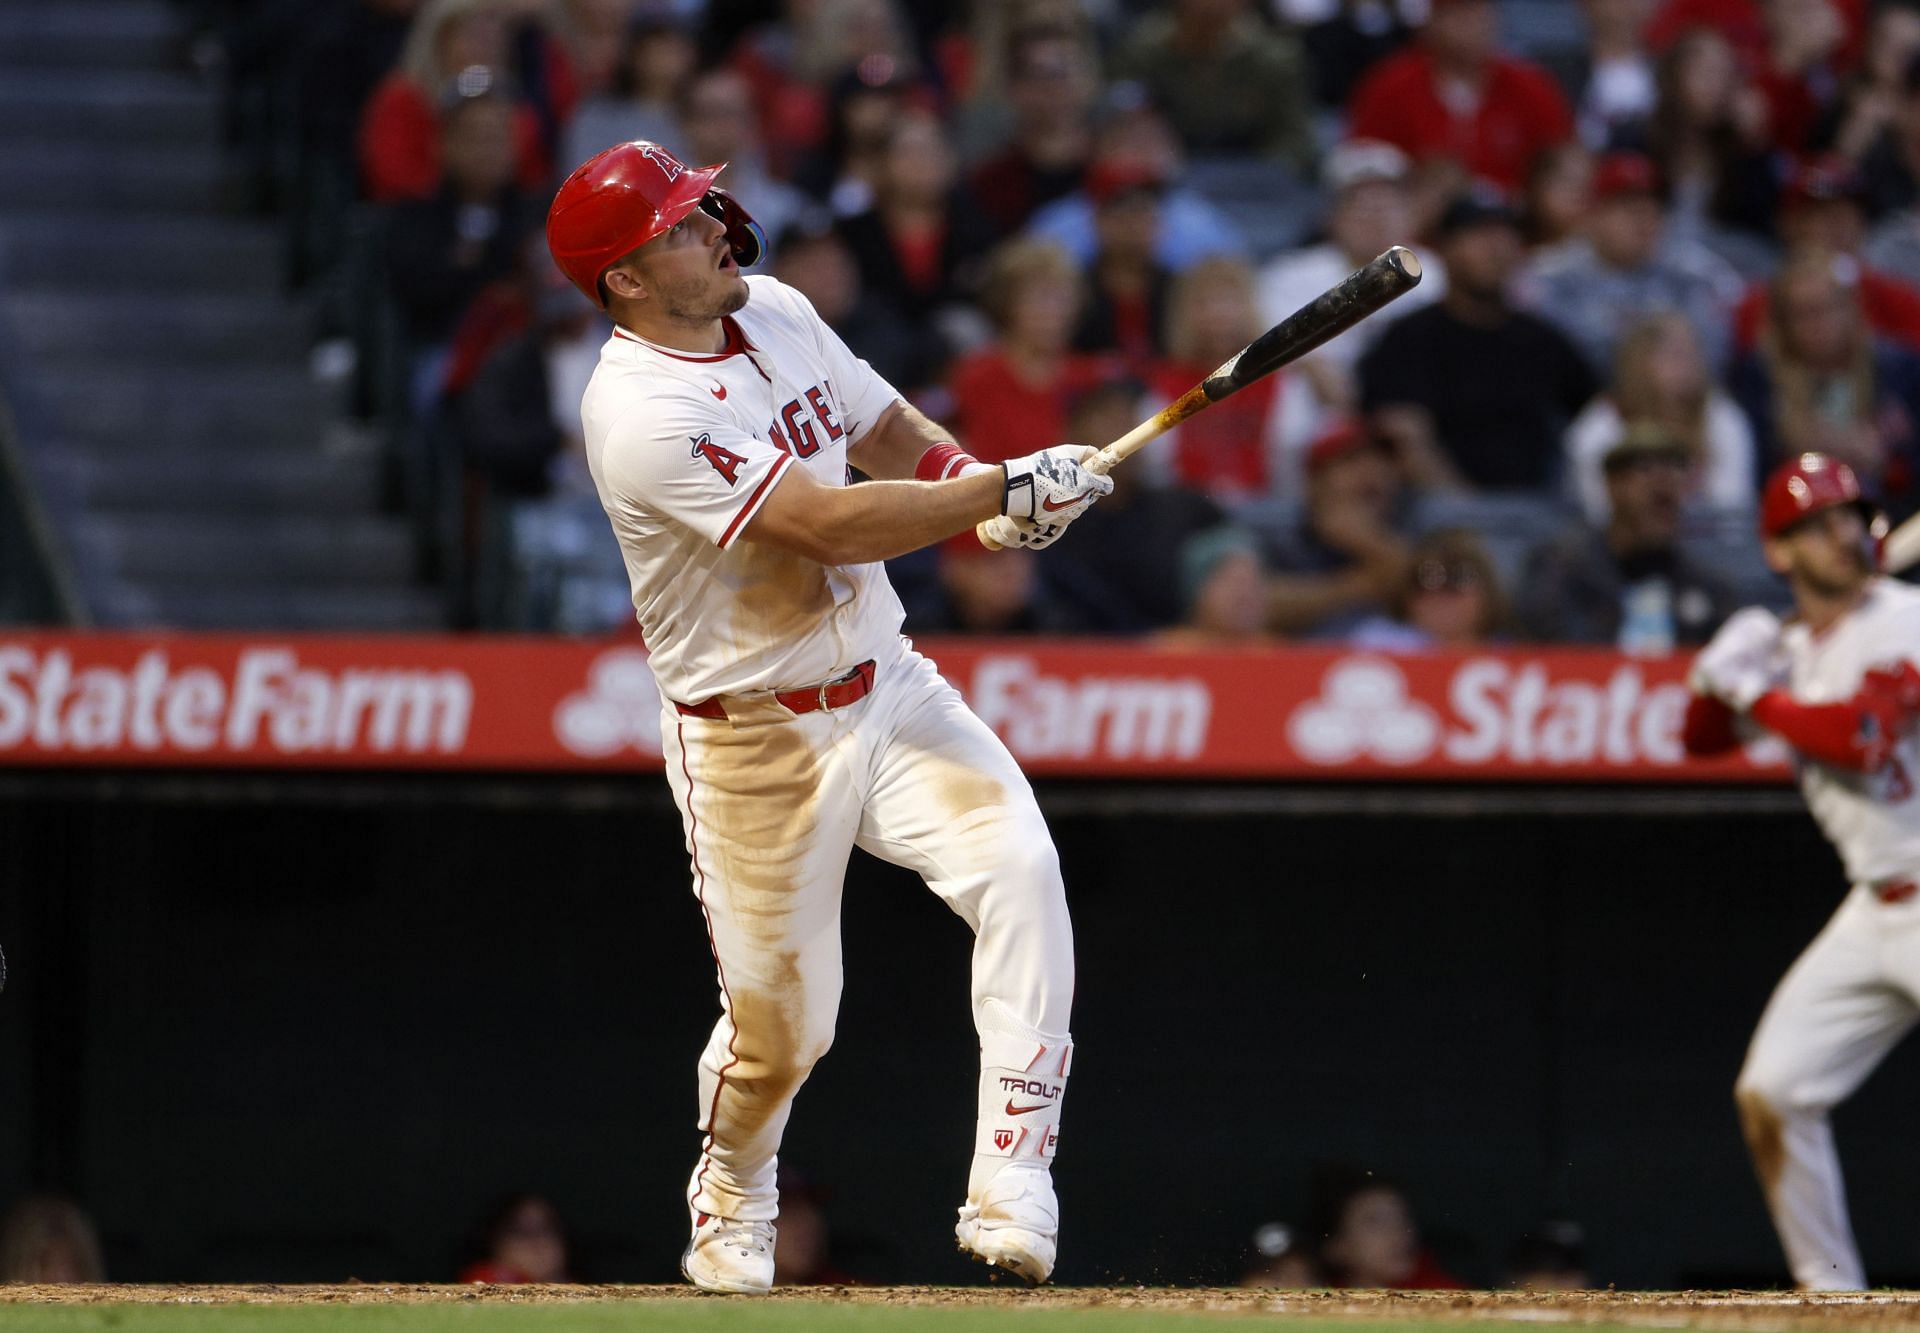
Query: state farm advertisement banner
1067	708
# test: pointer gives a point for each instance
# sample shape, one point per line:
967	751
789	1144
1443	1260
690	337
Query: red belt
1895	890
837	693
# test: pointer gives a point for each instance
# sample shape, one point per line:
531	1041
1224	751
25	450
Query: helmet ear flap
744	236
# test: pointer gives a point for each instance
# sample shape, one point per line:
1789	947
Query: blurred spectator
1454	98
804	1256
1127	286
442	250
1347	556
642	100
1051	84
1871	119
1224	591
1808	52
1370	211
864	105
1135	139
1559	193
812	257
521	1240
923	243
1820	382
1823	208
1660	377
47	1239
1281	1260
1366	1235
1343	39
1228	82
1552	1257
454	47
1450	598
1628	584
1123	572
1472	392
1624	267
1251	444
1708	136
716	125
348	49
1613	81
1012	397
977	591
596	36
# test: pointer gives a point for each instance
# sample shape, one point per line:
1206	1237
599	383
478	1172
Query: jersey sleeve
706	475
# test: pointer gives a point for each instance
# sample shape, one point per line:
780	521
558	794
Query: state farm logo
269	700
1363	712
1091	717
619	708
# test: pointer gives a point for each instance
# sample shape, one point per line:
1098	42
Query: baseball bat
1328	315
1902	551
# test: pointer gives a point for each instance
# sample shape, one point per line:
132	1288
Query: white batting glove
1743	662
1043	493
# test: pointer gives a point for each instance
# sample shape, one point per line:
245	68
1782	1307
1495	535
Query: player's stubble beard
696	304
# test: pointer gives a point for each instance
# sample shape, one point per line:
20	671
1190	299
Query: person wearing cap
1624	267
1473	392
1839	681
1347	556
1371	210
1628	584
1454	98
1126	284
1229	82
1823	207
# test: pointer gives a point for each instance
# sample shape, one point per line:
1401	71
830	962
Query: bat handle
1102	462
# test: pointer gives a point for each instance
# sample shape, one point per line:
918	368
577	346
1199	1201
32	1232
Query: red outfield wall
1085	708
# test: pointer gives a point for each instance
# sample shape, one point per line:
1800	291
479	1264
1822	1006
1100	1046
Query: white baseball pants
773	803
1841	1007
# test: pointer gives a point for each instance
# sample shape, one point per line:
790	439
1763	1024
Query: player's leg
947	800
768	815
1832	1018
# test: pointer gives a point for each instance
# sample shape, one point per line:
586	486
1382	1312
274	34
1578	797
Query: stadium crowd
1678	244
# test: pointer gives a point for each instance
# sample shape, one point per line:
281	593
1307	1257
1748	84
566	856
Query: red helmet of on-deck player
620	199
1804	486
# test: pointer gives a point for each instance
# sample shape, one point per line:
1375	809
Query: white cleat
732	1258
1015	1224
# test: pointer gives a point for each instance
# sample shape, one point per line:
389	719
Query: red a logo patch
661	158
724	461
1002	1138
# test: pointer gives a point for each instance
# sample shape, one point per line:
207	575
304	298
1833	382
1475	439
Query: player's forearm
899	440
1840	734
878	520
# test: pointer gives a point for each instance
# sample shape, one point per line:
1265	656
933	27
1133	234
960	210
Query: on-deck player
1838	682
720	426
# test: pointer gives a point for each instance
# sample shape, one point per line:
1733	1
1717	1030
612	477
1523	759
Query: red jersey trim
736	343
754	501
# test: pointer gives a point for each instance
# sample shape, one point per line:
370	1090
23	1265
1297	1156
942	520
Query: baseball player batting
720	426
1838	682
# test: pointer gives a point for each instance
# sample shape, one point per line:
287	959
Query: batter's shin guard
1023	1080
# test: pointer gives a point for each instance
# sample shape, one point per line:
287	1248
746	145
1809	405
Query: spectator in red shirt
1128	293
1013	397
1367	1237
452	41
521	1240
1051	85
1808	56
1453	98
1824	207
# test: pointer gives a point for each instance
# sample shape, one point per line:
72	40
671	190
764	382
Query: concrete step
87	34
262	408
119	107
77	249
194	606
152	178
210	330
242	551
206	481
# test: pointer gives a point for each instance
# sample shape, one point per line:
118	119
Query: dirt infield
1696	1309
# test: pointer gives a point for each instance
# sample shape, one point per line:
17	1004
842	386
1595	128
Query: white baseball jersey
1873	819
685	449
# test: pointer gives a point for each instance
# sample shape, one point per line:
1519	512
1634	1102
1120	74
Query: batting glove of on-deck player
1044	492
1743	662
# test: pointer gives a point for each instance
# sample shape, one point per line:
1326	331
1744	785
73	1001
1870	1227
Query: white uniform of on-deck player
685	450
1855	992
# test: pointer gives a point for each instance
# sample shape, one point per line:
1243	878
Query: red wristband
942	461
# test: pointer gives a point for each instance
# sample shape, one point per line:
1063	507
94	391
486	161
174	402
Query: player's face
689	272
1827	553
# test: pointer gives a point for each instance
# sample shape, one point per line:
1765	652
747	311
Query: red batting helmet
622	198
1804	486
